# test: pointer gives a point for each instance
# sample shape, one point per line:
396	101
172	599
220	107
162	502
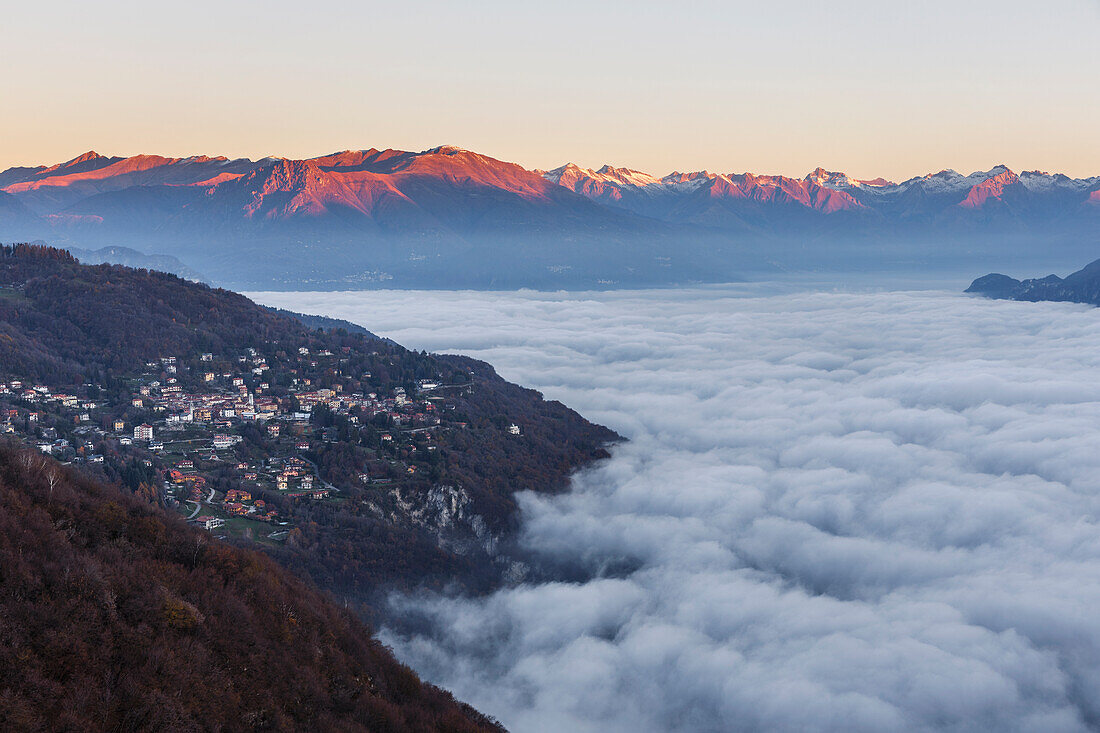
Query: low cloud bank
841	512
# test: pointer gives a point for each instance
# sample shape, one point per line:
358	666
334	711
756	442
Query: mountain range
449	217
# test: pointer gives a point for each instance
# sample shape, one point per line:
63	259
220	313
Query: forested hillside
115	615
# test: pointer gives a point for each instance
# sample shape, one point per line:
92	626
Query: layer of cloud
842	512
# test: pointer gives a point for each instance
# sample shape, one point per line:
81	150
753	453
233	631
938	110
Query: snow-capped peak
1041	181
831	179
445	150
90	155
843	182
626	175
951	181
570	173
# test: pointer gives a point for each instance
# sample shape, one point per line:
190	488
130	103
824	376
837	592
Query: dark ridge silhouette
1082	286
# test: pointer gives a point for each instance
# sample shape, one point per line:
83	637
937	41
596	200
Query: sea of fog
842	511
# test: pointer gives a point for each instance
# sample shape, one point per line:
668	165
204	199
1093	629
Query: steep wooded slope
117	616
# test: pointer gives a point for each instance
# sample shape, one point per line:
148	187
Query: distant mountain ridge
819	188
1082	286
449	217
325	323
133	258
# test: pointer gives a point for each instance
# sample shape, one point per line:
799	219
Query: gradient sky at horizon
871	88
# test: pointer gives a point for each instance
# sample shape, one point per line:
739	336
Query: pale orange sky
871	88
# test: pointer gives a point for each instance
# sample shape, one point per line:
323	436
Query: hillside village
350	459
209	435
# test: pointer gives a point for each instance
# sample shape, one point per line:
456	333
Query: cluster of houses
297	474
41	394
239	503
207	413
228	400
236	502
39	397
292	475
